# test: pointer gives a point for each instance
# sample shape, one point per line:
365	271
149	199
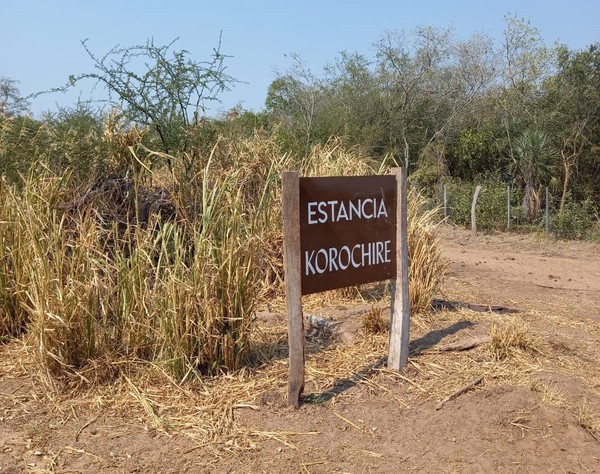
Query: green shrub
70	139
576	222
21	142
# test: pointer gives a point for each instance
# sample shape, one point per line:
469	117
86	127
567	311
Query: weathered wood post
473	209
508	206
445	201
292	264
400	324
547	212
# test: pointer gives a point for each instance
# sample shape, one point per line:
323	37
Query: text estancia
321	212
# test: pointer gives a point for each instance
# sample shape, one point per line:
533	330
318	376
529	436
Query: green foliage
477	151
22	140
577	221
534	156
432	165
520	109
535	163
70	139
295	99
11	102
571	107
74	140
243	124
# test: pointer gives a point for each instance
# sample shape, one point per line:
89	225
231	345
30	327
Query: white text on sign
321	212
334	259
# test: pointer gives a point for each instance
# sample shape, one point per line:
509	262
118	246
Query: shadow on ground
423	343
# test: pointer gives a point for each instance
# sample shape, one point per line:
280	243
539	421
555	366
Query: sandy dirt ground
534	408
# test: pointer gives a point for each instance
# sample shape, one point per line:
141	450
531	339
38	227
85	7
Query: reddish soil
535	410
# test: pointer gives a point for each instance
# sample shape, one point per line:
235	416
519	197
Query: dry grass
510	337
373	322
12	320
586	418
426	269
150	279
102	275
553	394
211	410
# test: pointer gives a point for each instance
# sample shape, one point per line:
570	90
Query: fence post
508	206
445	202
473	207
547	212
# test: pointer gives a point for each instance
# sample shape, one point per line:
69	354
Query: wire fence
498	206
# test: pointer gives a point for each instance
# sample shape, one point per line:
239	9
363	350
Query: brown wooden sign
347	231
344	231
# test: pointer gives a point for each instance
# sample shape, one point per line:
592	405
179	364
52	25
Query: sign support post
292	264
400	317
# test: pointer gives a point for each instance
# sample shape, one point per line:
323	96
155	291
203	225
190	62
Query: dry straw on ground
510	336
210	410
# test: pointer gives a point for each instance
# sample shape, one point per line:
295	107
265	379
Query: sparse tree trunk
569	155
563	198
529	198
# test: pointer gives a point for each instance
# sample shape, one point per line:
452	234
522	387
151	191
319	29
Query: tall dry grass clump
425	266
333	159
165	266
12	319
132	266
510	337
23	236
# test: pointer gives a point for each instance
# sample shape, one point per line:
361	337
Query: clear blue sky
41	39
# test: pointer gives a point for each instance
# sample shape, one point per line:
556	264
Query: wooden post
291	250
547	212
445	201
508	206
400	326
473	208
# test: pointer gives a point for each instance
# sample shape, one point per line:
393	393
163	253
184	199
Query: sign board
338	232
347	231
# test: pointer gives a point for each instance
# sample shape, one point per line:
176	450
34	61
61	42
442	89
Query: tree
526	59
571	107
428	83
525	63
352	108
293	99
11	102
534	163
157	87
75	141
405	69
